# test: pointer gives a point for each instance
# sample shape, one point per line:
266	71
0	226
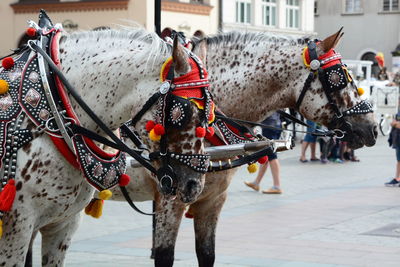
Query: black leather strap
130	202
121	145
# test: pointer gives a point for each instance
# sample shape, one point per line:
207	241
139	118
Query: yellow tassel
153	136
252	168
360	91
4	87
1	228
105	194
95	208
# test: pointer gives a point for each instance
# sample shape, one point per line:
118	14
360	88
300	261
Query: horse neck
249	81
111	75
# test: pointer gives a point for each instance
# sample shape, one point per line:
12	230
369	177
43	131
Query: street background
328	215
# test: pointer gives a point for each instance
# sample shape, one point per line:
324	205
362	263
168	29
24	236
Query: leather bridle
333	76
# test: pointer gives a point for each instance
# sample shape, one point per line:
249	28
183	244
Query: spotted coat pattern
113	74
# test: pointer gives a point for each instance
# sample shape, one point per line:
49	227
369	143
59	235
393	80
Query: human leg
396	180
275	170
255	185
304	146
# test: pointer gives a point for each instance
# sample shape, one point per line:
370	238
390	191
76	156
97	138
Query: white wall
306	17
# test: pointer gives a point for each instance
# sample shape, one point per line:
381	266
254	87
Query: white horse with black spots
115	72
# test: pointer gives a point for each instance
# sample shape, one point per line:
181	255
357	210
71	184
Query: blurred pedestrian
309	140
273	120
394	142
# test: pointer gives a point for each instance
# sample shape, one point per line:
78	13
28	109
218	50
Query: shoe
303	160
338	161
324	161
272	190
252	185
316	159
393	182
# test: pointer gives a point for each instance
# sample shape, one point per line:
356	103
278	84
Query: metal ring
230	163
48	128
163	154
220	164
340	135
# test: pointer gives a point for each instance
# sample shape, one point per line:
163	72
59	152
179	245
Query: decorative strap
92	115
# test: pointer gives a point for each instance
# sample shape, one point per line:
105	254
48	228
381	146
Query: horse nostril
191	184
375	131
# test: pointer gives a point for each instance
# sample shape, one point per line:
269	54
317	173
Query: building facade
370	26
294	17
184	15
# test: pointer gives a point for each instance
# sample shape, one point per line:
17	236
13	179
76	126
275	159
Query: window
243	11
268	12
390	5
292	14
353	6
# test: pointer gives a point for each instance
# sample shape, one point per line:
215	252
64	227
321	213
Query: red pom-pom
200	132
263	160
159	129
189	215
31	32
210	132
7	196
7	63
124	179
150	125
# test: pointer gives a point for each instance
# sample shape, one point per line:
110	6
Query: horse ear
180	58
201	51
331	41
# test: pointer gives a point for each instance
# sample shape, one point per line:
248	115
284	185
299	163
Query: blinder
178	112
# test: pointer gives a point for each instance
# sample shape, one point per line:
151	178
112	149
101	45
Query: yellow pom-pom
1	228
153	136
95	208
105	194
4	87
252	168
360	91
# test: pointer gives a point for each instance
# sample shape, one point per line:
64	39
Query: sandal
303	160
316	159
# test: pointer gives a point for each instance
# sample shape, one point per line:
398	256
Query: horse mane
155	45
237	37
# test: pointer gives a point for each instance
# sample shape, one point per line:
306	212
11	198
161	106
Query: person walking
273	120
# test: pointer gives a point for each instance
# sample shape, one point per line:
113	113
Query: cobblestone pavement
328	215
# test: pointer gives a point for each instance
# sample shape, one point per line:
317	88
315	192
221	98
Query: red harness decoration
327	60
189	86
59	142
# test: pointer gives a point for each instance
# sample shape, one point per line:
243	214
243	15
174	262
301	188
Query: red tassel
7	196
210	132
159	129
200	132
7	63
150	125
31	32
263	160
124	179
